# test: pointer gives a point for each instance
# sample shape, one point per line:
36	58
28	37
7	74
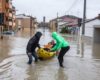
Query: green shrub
65	30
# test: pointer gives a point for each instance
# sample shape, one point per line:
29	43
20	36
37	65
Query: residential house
24	23
43	25
7	15
92	29
53	25
64	21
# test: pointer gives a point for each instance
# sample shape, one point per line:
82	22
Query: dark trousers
30	56
61	54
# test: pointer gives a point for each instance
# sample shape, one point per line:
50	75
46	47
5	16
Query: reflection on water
46	70
4	47
13	68
61	74
81	66
89	51
96	51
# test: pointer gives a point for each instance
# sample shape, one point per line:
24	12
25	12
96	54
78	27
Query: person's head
38	34
54	35
52	42
49	43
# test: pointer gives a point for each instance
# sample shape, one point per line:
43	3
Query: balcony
14	24
10	23
7	14
14	17
10	6
10	20
10	15
7	1
7	5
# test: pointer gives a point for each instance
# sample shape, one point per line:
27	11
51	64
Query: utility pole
84	18
57	23
30	25
83	30
44	24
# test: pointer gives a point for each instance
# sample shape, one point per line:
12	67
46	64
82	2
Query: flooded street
79	65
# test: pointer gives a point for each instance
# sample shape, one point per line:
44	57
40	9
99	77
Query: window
7	1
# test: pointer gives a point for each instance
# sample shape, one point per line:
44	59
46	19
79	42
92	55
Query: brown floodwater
82	62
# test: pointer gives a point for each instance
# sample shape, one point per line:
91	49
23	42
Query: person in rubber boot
62	45
33	43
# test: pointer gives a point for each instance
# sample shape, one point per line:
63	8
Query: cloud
49	8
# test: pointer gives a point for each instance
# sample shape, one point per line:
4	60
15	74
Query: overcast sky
49	8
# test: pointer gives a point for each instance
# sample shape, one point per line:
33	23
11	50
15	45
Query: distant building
7	15
53	25
64	21
26	23
42	24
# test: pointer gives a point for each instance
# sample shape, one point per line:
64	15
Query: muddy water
79	65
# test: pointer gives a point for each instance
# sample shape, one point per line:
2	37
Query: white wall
89	27
96	37
59	26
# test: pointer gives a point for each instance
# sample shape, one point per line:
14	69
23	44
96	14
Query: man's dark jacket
33	42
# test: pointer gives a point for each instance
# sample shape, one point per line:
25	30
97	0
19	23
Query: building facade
7	15
24	23
64	21
92	29
53	25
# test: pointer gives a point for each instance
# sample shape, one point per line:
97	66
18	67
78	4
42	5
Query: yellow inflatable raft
45	54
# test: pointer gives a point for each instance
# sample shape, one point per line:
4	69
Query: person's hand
51	50
48	50
39	47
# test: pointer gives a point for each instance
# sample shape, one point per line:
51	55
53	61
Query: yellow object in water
45	54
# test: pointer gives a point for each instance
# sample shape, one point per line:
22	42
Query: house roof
70	16
65	16
74	17
22	16
89	20
95	18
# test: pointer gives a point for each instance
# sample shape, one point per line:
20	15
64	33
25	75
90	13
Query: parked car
8	32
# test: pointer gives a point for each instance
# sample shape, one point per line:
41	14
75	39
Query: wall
24	24
96	34
53	25
89	27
